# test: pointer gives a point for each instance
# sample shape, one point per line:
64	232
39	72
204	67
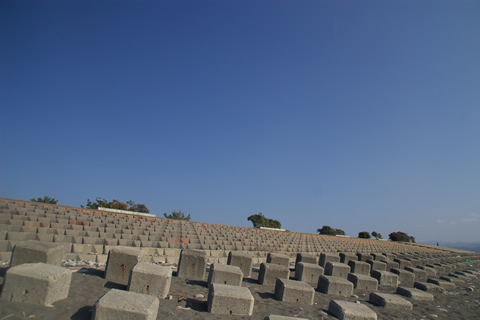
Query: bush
177	215
45	199
364	235
329	231
259	220
401	236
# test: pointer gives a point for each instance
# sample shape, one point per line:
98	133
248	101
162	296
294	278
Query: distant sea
470	246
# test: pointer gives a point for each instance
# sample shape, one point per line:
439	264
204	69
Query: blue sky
360	115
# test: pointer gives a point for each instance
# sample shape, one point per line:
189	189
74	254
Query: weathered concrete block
242	260
402	263
328	257
415	294
294	291
231	300
428	287
192	265
452	279
36	251
337	269
405	278
420	275
277	317
364	256
225	274
379	257
390	301
36	283
359	267
121	261
269	273
431	272
363	281
308	272
306	258
377	265
345	310
385	278
345	257
150	279
278	258
444	284
125	305
335	285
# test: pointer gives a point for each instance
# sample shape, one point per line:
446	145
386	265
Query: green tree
115	204
329	231
178	215
45	199
364	235
137	207
259	220
401	236
376	235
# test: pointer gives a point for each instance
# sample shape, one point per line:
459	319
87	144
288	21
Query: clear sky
360	115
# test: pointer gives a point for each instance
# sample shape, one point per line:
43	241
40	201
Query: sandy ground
88	285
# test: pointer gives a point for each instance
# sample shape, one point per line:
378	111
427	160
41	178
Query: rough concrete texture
363	281
150	279
328	257
405	278
377	265
345	310
294	291
230	300
36	283
359	267
243	260
121	261
428	287
269	273
278	258
345	257
277	317
335	286
390	301
420	275
192	265
36	251
337	269
308	272
306	258
225	274
415	294
444	284
385	278
125	305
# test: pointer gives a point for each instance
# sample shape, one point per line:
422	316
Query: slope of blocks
293	268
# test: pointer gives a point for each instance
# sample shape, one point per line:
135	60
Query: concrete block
364	256
269	273
363	281
294	291
428	287
150	279
230	300
308	272
431	272
225	274
377	265
444	284
405	278
192	265
415	294
278	258
345	257
36	283
390	301
337	269
335	286
420	275
243	260
452	279
385	278
125	305
36	251
121	261
359	267
277	317
345	310
306	258
402	263
328	257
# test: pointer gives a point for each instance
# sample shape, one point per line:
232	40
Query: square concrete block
230	300
390	301
431	272
428	287
420	275
242	260
345	257
345	310
364	256
277	317
36	251
150	279
36	283
308	272
125	305
385	278
359	267
192	265
121	261
278	258
377	265
335	286
307	258
294	291
337	269
415	294
225	274
363	281
269	273
405	278
328	257
402	263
